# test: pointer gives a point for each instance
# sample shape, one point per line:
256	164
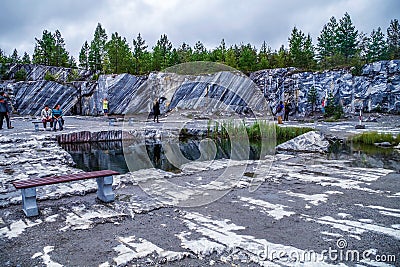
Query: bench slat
61	179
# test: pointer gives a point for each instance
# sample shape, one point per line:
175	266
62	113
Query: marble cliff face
376	89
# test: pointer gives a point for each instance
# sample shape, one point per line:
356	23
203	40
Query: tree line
339	44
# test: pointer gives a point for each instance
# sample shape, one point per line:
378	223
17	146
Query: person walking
57	118
156	110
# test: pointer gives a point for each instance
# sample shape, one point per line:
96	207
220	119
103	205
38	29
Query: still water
110	155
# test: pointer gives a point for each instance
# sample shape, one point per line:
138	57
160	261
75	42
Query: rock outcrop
376	89
221	91
308	142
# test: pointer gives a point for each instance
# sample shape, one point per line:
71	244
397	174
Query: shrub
73	76
20	75
338	112
50	77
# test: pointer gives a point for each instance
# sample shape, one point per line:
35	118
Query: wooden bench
28	187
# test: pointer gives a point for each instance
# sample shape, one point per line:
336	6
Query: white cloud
209	21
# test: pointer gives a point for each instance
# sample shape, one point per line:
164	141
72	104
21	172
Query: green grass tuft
256	131
369	138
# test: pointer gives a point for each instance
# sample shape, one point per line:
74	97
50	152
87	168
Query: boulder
383	144
308	142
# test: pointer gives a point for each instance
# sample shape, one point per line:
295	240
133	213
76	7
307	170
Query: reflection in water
110	155
366	156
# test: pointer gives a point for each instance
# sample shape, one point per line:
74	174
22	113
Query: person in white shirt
47	116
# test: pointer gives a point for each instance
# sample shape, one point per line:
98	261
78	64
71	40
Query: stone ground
305	205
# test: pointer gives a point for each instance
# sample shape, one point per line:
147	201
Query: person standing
57	118
8	108
47	116
3	110
156	110
279	112
323	105
287	111
105	106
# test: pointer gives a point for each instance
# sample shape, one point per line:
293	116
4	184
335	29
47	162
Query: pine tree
162	52
308	53
44	49
219	54
174	58
376	47
362	47
26	59
72	63
312	98
61	56
247	58
295	47
263	57
97	49
14	57
330	105
301	49
2	56
139	48
230	58
50	50
184	53
346	38
282	58
199	52
393	39
146	63
326	45
84	56
119	54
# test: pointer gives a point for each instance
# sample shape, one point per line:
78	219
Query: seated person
57	118
47	116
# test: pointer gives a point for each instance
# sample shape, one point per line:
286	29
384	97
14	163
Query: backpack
279	108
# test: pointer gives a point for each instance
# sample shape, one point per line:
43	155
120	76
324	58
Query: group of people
282	111
53	116
5	110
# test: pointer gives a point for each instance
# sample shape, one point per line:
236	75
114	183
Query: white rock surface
308	142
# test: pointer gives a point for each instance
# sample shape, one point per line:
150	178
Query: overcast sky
248	21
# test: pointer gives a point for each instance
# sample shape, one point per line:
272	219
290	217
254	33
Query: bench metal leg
111	122
36	127
104	190
29	205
